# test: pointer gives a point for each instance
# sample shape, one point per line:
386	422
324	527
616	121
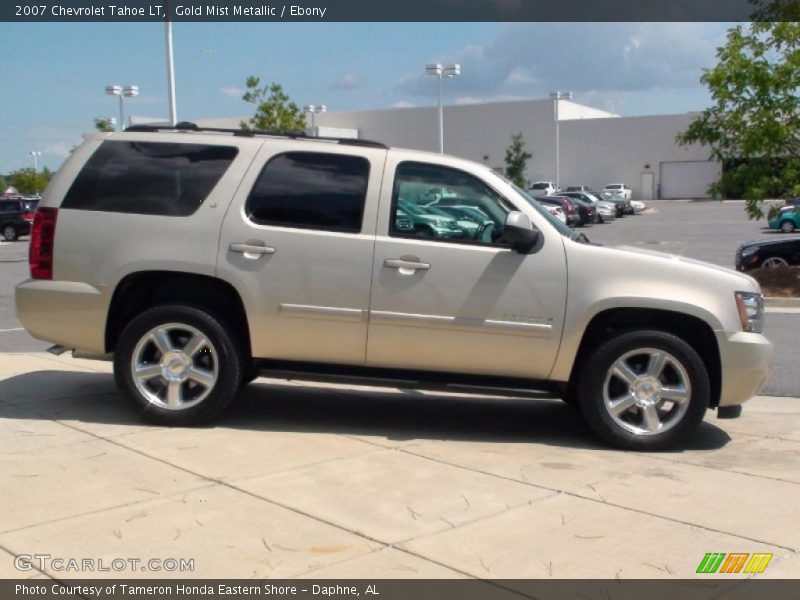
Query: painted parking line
14	329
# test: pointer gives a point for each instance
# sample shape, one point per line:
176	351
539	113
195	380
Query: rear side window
311	190
149	178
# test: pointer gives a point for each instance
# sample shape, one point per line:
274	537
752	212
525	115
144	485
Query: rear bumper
745	360
68	313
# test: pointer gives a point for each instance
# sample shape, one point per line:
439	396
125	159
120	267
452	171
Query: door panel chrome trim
540	330
329	313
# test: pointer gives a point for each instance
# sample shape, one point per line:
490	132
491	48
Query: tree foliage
517	159
753	126
103	124
274	110
28	182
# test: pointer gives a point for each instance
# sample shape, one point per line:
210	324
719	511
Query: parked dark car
768	254
567	205
586	211
16	217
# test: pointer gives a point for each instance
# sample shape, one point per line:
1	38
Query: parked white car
542	188
619	189
638	206
557	212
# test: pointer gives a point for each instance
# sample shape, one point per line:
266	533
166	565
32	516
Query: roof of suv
185	126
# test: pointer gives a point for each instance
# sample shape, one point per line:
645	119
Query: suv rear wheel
644	390
177	365
9	233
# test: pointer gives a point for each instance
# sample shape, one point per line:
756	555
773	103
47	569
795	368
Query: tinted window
311	190
149	178
435	202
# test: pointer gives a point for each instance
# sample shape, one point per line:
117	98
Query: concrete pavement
330	482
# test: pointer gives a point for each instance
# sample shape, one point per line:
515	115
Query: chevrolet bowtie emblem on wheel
735	562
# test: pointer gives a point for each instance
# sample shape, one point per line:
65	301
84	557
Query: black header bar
382	10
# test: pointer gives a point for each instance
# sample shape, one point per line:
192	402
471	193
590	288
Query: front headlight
751	311
749	250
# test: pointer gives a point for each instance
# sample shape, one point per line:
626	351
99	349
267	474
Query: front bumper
745	359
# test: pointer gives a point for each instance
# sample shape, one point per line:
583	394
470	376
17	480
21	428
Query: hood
746	282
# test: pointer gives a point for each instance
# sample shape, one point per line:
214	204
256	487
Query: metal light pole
129	91
313	109
173	111
35	154
556	96
439	71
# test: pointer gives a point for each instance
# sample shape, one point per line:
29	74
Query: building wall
597	147
600	151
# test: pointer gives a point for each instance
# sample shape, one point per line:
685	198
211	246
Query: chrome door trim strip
328	313
540	330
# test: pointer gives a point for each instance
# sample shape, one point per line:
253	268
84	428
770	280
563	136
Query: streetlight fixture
439	71
128	91
314	109
556	96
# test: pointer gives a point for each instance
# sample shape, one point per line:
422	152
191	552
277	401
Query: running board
428	382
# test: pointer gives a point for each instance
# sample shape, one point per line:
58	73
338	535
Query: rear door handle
406	263
251	249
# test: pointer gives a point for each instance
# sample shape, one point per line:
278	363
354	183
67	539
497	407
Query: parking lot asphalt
323	481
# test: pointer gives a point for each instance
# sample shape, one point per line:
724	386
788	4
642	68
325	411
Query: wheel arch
139	291
693	330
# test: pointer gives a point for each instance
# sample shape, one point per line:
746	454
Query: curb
775	302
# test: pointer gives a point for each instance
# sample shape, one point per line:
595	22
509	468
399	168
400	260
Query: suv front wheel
177	365
644	390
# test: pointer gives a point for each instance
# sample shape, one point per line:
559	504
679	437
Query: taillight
28	217
43	233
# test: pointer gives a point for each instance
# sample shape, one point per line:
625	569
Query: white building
597	147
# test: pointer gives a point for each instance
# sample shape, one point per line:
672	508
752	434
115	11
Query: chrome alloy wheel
647	391
174	366
774	261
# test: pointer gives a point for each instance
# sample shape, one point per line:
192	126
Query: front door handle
251	250
406	263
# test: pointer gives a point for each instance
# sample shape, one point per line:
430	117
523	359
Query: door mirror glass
520	232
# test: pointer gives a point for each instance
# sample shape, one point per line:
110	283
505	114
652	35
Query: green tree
27	182
103	124
275	112
516	160
753	126
3	184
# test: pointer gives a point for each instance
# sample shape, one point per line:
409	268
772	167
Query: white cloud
58	149
591	59
403	104
232	91
347	82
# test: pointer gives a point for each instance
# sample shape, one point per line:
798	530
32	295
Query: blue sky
53	74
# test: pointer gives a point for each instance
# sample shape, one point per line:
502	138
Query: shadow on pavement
267	406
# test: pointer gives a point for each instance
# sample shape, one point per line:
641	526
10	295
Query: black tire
222	355
10	233
787	226
682	418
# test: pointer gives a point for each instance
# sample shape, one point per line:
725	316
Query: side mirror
520	232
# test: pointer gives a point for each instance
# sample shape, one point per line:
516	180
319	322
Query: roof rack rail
295	135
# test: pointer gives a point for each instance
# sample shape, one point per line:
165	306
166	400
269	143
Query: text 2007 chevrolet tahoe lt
202	258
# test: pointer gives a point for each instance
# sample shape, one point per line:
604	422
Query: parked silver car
197	260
